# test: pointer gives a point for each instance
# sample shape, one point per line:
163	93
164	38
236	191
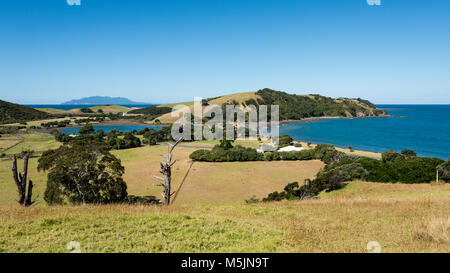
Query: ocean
423	128
77	106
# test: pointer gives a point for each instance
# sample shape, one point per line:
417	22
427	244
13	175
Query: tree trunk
21	182
166	171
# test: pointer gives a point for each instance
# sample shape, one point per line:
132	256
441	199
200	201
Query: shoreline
313	119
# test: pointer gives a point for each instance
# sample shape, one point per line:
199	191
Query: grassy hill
12	113
330	224
292	106
210	215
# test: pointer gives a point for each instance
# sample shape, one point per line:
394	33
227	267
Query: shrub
293	191
86	110
285	140
252	200
391	156
414	170
220	154
86	129
408	153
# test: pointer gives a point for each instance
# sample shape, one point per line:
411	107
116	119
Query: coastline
313	119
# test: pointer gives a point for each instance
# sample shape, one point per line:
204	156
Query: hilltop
292	106
11	113
99	100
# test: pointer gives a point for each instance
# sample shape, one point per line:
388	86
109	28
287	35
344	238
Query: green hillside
12	113
295	107
292	106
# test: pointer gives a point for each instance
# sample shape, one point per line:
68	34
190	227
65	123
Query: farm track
22	140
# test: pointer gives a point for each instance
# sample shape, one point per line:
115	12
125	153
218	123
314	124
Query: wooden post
166	171
437	175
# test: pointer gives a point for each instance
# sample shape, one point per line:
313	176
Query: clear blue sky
168	51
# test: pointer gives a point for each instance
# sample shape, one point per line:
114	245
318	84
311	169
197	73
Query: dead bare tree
166	170
21	182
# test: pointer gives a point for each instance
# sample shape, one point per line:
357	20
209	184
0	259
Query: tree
391	156
444	171
408	153
86	129
86	110
226	144
84	171
285	140
351	149
21	182
166	171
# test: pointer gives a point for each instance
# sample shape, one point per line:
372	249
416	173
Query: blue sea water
423	128
108	128
77	106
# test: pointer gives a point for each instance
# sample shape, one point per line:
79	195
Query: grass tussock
436	230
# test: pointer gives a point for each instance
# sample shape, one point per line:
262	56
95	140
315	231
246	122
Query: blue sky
169	51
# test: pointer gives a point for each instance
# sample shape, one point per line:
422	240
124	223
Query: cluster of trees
152	111
285	140
295	107
404	167
87	120
152	136
10	129
116	139
86	110
55	124
127	142
227	153
222	153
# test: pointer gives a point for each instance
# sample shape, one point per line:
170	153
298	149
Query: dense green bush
86	110
60	136
152	136
391	156
285	140
408	153
405	170
57	124
127	142
220	154
86	129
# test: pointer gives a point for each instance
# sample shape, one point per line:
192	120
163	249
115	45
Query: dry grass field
234	182
210	215
324	225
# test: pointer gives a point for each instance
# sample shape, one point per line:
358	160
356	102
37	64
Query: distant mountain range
99	100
